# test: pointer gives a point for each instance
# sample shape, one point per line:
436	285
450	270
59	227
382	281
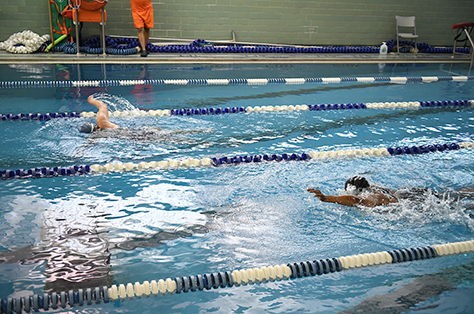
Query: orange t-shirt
140	5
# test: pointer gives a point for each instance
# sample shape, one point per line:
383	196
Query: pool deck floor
167	58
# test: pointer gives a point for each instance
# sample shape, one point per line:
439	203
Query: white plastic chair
405	23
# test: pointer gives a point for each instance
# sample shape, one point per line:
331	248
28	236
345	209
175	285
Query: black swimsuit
405	193
413	193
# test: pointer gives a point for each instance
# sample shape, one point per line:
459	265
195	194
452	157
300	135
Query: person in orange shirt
142	12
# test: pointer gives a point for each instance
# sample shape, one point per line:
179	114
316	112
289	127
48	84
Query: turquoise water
84	231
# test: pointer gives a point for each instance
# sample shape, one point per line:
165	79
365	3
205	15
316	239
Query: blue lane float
46	172
235	110
126	46
236	81
39	116
228	279
423	149
120	45
71	48
203	46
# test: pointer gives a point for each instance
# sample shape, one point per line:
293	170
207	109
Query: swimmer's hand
317	193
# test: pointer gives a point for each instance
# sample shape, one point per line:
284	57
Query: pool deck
167	58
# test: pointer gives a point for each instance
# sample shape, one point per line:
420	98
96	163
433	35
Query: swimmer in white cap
103	121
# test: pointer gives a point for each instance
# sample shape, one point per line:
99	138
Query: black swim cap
359	182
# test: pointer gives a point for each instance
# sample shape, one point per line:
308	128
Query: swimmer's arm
106	124
103	108
348	200
91	100
352	200
103	121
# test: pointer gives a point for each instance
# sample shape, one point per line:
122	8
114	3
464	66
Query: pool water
93	230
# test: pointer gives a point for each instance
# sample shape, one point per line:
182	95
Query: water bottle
383	49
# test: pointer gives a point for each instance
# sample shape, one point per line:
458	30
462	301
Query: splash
115	103
429	208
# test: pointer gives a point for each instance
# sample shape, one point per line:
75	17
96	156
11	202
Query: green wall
306	22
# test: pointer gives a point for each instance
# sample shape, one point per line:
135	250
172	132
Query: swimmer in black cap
361	193
103	121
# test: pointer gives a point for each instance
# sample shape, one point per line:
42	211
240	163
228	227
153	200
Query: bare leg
142	36
147	35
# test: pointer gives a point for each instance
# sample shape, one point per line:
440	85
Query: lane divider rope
233	110
227	279
225	160
239	81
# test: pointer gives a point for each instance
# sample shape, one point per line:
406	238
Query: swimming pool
94	230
